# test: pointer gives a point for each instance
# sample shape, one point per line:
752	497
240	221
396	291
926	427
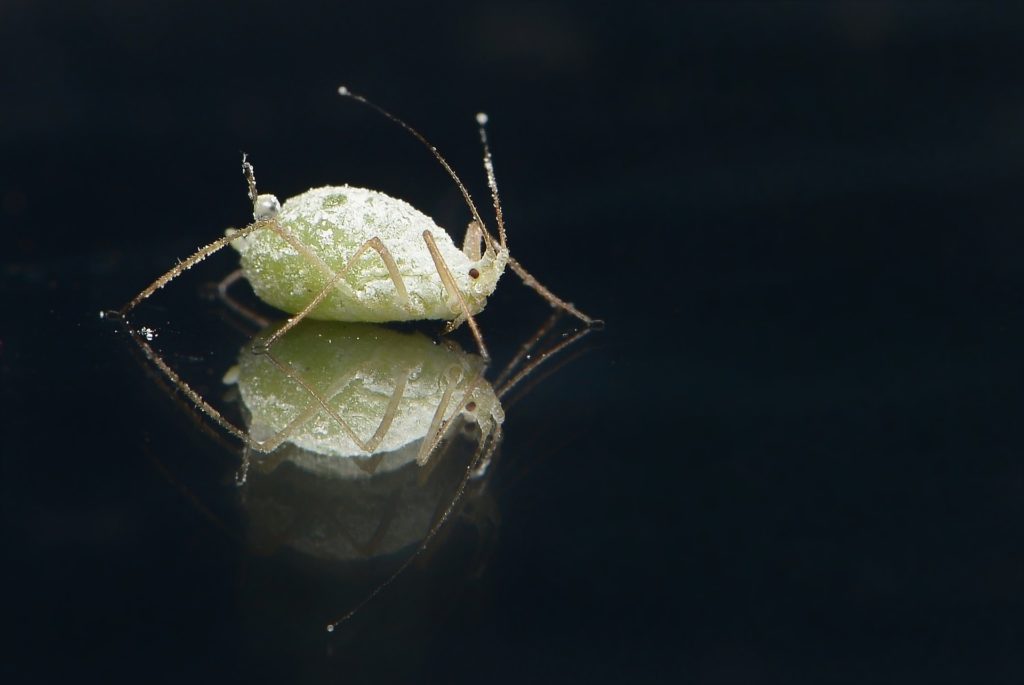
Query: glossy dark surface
794	454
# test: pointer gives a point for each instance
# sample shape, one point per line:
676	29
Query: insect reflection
370	422
360	390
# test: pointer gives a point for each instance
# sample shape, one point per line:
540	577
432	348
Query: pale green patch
335	200
358	369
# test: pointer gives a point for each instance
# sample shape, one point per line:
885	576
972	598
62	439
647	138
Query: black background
792	456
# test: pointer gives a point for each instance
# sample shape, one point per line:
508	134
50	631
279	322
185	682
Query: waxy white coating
333	222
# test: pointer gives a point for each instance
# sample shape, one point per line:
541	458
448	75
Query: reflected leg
368	446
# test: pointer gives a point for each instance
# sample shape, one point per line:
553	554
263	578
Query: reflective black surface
792	456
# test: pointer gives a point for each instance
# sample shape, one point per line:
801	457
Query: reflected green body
358	369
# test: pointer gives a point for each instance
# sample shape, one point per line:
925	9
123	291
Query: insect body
352	254
372	256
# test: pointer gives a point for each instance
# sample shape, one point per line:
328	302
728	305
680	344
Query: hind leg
334	279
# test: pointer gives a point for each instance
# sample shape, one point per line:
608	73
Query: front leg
452	287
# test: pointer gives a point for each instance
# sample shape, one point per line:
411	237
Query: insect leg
527	347
449	283
314	408
375	243
551	298
223	292
438	424
454	324
539	359
183	266
242	474
392	267
390	413
322	402
185	388
334	279
441	424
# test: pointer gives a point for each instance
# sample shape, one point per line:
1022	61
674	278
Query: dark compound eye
473	273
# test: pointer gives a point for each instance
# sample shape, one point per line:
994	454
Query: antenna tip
343	90
481	118
330	628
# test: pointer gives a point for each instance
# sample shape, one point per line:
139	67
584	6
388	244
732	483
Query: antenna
492	183
489	240
345	92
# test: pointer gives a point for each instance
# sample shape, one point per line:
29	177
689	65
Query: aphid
355	390
351	402
331	508
356	400
352	254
